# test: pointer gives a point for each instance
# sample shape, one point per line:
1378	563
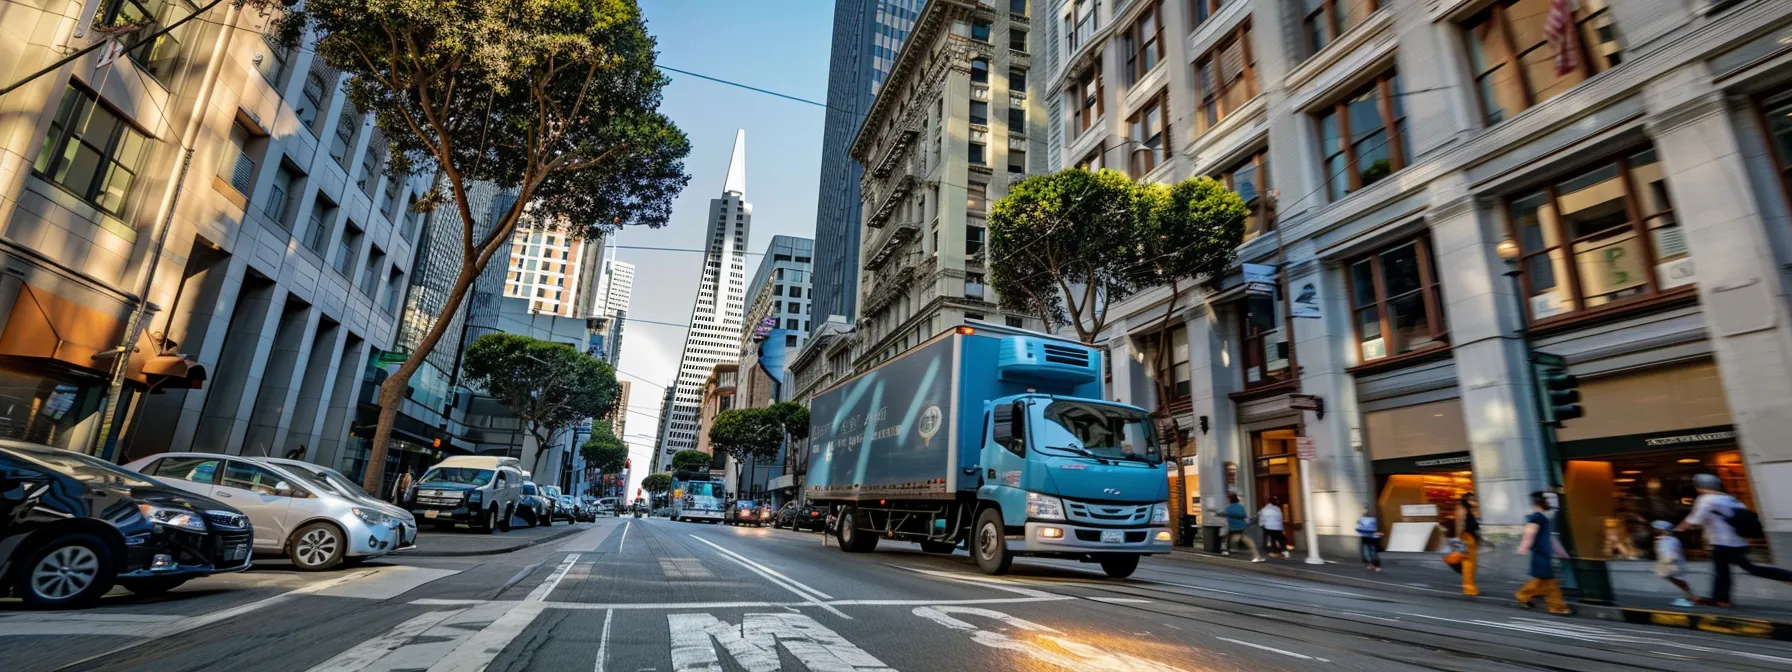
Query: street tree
555	102
550	387
1062	246
691	460
1187	232
657	485
603	451
745	433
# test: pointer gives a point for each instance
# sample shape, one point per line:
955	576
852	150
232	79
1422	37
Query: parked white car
407	523
295	514
481	491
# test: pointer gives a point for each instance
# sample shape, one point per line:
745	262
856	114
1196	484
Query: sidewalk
463	542
1770	621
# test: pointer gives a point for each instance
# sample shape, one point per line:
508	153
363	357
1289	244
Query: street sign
1258	273
1303	448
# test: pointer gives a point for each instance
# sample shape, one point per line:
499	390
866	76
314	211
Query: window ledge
1269	390
1612	311
1254	114
1144	88
1427	353
1378	23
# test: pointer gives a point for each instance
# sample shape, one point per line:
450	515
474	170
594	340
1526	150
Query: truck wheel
507	523
938	547
852	539
1119	566
990	546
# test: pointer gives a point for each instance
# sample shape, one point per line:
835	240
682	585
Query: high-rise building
868	34
714	335
618	286
782	295
551	270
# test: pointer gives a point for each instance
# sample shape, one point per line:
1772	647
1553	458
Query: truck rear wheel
1119	566
852	539
990	545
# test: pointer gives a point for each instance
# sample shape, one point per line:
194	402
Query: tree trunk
392	391
1172	442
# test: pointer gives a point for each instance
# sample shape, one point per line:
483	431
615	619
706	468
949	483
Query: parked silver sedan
407	530
295	513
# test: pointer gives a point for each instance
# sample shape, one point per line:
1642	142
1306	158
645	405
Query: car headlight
473	496
370	516
172	517
1160	514
1044	506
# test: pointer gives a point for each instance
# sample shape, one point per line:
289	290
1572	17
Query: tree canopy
550	387
691	460
745	433
603	451
555	101
658	484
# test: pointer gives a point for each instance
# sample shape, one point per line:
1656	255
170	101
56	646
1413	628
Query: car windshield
315	482
466	475
1106	431
84	467
342	483
529	489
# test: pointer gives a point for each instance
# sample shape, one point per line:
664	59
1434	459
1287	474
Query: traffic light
1561	396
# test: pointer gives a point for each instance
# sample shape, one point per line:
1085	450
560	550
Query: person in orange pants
1468	531
1542	548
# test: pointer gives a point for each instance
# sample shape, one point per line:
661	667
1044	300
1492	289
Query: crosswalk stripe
482	648
369	652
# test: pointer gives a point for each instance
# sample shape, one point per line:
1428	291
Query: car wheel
1119	565
155	586
317	547
938	547
68	571
852	539
490	522
530	519
506	524
990	547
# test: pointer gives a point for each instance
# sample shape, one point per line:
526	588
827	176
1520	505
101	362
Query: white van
478	490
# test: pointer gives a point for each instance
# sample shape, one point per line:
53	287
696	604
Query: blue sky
781	45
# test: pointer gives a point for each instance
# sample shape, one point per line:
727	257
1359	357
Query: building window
979	113
273	65
344	142
1358	149
1150	137
1250	180
315	93
1226	77
1395	301
1514	64
1088	88
1176	370
1017	6
976	197
323	219
975	155
1082	17
1201	10
974	286
1017	80
1266	346
1778	113
279	203
1143	45
979	71
973	241
980	30
1017	118
158	57
1017	40
348	251
1599	237
91	151
1322	21
235	167
1017	161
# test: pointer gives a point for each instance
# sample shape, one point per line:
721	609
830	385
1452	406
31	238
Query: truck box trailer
996	438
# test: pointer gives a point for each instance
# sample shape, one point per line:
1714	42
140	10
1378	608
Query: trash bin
1212	538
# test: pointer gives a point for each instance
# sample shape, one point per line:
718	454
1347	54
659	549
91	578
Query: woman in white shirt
1270	517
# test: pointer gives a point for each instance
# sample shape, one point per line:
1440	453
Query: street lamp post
1589	575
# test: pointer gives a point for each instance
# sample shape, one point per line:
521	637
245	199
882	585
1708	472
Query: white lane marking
1761	656
541	592
624	539
791	586
390	582
924	603
1063	652
1301	656
681	606
1119	600
603	641
185	625
1362	615
766	569
1004	585
753	644
478	651
365	654
684	568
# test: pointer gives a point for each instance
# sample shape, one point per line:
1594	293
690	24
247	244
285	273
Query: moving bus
697	496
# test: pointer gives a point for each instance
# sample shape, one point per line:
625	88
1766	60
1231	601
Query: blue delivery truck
996	438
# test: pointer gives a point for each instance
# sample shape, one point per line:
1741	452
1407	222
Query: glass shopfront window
1419	455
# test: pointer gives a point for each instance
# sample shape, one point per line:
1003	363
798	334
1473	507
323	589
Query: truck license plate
431	513
1112	536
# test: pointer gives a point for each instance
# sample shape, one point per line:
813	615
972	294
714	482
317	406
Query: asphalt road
630	595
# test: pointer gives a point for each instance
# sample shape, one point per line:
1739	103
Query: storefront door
1277	474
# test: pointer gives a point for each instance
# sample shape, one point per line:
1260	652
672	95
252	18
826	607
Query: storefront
1632	459
53	375
1275	471
1421	464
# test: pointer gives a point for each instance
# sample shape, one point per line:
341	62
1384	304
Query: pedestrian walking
1368	530
1543	549
1468	532
1237	521
1670	561
402	488
1275	540
1728	525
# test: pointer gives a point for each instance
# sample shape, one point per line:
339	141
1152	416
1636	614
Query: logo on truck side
929	424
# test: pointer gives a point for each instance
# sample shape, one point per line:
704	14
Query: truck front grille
1107	514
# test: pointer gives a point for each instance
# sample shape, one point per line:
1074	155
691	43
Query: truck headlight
473	496
172	517
1045	507
371	517
1160	514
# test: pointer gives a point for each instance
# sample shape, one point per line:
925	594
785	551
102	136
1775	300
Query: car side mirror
283	489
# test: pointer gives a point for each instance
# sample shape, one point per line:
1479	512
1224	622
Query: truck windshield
458	475
1101	430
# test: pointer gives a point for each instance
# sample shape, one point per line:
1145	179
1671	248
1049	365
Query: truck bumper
1069	539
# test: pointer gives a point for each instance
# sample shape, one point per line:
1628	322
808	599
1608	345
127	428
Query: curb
496	551
1724	624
